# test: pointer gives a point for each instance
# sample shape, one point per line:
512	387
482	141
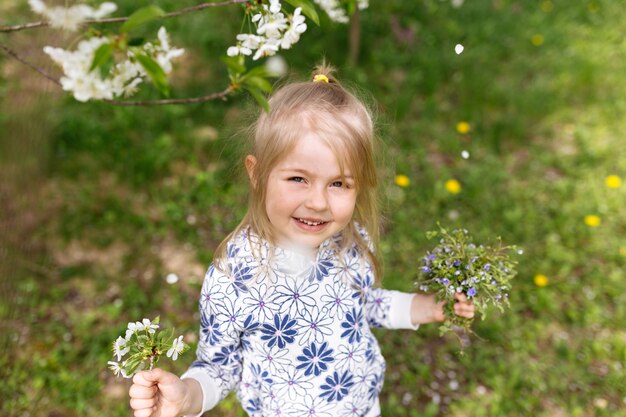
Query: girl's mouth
311	223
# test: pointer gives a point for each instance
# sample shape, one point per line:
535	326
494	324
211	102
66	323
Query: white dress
292	335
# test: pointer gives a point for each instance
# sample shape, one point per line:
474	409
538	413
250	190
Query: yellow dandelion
402	180
622	251
463	128
541	280
546	6
592	220
613	181
453	186
537	39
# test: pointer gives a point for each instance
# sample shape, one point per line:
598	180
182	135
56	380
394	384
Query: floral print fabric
292	335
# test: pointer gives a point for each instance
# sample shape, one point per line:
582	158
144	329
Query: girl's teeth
310	223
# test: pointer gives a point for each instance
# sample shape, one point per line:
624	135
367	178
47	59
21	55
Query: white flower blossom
274	31
275	6
124	77
148	325
177	347
115	367
336	11
70	18
120	348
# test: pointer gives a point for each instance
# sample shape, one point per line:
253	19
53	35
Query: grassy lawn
101	203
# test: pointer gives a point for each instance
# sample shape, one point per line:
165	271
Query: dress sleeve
217	367
389	309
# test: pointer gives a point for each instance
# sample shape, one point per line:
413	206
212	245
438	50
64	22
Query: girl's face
307	200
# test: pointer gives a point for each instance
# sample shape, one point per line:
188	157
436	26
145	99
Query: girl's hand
462	307
158	393
424	309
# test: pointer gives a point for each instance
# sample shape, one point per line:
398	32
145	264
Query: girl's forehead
313	153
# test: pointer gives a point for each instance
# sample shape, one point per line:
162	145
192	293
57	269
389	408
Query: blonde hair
345	124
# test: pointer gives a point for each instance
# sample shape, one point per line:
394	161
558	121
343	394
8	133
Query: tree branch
34	25
14	54
189	100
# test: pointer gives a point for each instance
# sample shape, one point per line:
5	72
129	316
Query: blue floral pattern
291	335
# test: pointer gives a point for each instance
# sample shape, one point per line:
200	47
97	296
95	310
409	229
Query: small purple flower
457	272
426	269
456	263
487	266
471	292
445	281
474	259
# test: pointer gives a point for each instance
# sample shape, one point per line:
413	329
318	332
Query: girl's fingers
146	412
461	297
140	404
144	378
142	392
464	309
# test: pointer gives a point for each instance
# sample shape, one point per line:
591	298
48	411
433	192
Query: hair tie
320	78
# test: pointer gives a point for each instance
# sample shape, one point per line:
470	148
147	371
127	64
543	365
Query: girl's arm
424	308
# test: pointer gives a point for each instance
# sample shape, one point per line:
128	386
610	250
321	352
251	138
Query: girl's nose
317	199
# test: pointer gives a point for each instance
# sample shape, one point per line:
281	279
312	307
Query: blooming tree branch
107	66
198	7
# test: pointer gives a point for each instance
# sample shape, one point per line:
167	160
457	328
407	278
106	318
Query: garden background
100	204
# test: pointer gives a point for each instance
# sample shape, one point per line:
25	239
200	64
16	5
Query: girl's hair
345	124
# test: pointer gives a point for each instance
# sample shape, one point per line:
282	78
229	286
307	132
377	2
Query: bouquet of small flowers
457	265
144	344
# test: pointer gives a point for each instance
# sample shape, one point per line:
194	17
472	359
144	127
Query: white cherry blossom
70	18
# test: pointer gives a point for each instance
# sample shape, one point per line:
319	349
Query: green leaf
102	55
155	72
307	9
234	63
136	41
260	71
258	82
259	97
141	16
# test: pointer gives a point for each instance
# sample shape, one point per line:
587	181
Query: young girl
287	305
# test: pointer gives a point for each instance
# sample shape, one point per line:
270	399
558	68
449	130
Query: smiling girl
288	302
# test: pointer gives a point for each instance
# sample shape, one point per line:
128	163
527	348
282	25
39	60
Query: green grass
123	196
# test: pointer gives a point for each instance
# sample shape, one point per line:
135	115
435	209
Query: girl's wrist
192	399
424	309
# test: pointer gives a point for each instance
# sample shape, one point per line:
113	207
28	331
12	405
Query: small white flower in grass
171	278
459	48
457	3
120	348
177	347
465	154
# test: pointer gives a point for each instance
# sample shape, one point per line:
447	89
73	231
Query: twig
14	54
175	13
189	100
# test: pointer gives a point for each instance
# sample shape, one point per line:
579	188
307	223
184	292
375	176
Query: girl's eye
296	179
340	184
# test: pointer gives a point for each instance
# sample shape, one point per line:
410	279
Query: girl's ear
250	165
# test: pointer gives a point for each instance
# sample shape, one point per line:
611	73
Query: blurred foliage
124	196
